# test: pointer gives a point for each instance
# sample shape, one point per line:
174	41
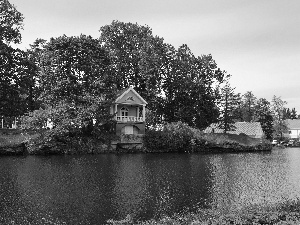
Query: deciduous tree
137	58
75	83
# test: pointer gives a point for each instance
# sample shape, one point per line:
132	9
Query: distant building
294	128
252	129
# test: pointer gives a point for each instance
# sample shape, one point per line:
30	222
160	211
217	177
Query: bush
179	137
174	137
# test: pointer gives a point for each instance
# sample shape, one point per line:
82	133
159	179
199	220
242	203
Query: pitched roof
121	93
293	124
247	128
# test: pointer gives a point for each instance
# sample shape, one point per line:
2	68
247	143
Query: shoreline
76	146
181	139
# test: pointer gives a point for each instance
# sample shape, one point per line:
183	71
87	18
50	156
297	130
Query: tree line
73	80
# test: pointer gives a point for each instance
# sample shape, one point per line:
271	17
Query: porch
129	119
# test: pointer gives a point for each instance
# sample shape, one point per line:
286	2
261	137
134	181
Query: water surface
90	189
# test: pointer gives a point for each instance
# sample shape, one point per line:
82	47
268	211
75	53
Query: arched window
124	112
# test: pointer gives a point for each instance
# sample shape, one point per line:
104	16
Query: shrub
176	136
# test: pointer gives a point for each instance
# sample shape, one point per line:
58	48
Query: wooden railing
129	119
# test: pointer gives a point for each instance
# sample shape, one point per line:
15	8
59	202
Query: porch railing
129	119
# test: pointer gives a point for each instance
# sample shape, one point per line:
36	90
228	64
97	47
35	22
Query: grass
14	137
286	214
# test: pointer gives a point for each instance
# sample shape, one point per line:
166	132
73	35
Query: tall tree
10	24
137	58
249	101
75	83
238	112
277	108
289	113
293	114
176	84
14	68
286	114
228	102
189	87
263	114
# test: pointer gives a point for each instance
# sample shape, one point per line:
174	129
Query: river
89	189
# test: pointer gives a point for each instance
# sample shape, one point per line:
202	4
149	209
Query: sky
256	41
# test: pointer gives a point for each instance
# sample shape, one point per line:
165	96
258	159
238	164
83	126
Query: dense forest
73	80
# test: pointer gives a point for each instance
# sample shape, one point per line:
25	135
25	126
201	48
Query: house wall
132	111
139	126
137	100
294	133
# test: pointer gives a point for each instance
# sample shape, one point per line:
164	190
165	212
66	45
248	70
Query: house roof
293	124
250	129
123	92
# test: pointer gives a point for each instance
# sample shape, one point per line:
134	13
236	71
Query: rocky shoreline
38	146
15	149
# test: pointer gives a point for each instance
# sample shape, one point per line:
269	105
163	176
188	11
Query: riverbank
179	137
22	144
184	139
289	215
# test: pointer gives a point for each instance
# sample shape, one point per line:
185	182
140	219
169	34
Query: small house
294	128
129	110
252	129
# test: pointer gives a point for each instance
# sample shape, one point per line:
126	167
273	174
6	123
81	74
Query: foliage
136	58
289	113
277	108
15	69
263	114
75	84
10	24
73	80
228	102
246	106
249	101
177	85
179	137
175	137
189	87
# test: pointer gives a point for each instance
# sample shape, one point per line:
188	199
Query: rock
19	149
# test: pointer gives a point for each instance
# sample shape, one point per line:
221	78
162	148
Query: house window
124	112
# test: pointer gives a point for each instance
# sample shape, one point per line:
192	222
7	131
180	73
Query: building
294	128
252	129
129	110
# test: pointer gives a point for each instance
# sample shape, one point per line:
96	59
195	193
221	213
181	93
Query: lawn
13	137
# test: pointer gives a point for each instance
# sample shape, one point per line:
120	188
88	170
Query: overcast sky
256	41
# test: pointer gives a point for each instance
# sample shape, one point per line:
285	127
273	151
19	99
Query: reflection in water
91	189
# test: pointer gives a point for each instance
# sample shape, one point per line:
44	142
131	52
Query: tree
177	85
263	115
190	89
289	113
76	88
238	111
10	24
228	102
14	68
137	58
277	108
293	114
249	106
